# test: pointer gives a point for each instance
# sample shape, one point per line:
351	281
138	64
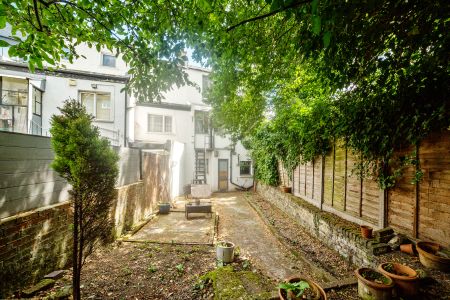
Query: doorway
223	175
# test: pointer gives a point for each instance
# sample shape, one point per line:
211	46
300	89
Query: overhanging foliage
380	68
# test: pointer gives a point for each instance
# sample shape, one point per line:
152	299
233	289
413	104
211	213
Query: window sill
102	121
245	176
161	133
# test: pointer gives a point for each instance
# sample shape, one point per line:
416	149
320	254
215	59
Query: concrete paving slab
175	228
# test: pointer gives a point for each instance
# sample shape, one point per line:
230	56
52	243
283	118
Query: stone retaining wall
335	232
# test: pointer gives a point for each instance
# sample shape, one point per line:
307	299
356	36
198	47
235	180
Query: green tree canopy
382	66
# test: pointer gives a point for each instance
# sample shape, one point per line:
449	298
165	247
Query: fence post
322	179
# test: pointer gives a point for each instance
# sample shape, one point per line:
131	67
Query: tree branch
36	12
269	14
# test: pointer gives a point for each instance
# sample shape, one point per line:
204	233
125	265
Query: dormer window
108	60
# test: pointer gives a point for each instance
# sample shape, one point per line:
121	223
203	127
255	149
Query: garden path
240	224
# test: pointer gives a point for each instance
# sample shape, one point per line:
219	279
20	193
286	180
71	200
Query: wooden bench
198	208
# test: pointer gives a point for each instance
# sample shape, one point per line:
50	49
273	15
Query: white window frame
108	54
111	116
164	118
250	171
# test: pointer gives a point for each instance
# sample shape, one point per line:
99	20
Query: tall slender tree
89	164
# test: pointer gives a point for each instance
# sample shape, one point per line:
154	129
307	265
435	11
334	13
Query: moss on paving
228	284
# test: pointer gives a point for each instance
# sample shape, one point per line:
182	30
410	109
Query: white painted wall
58	89
190	95
93	62
183	132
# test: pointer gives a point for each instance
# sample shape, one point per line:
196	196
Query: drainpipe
231	173
125	125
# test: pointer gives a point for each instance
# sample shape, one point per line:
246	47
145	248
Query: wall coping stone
44	211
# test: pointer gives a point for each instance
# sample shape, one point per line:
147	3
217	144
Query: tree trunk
75	255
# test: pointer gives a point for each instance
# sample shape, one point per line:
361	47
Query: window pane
109	60
201	122
20	119
5	118
103	107
167	124
37	98
205	85
245	167
155	123
87	99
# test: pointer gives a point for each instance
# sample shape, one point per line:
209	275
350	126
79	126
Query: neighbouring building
179	126
28	100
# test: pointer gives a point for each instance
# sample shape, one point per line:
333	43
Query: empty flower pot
225	252
286	189
366	231
408	249
434	256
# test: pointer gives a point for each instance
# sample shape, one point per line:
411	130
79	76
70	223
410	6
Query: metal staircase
200	167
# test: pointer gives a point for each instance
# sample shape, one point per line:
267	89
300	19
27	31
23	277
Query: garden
291	79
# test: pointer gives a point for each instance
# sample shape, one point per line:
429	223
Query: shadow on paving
175	228
240	224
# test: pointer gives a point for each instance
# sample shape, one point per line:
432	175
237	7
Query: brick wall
33	244
337	233
37	242
132	206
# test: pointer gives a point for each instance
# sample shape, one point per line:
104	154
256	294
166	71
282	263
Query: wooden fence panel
353	186
339	177
434	189
328	179
129	166
370	201
401	200
317	180
301	180
295	181
309	180
421	210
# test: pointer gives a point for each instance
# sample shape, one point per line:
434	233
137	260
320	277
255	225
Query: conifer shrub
89	164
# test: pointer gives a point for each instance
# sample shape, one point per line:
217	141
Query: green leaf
4	43
314	5
316	24
2	22
326	39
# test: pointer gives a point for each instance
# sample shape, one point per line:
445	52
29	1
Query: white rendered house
28	100
180	125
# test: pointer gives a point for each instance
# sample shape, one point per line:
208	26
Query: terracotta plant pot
319	293
433	256
286	189
406	279
408	249
366	231
368	288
